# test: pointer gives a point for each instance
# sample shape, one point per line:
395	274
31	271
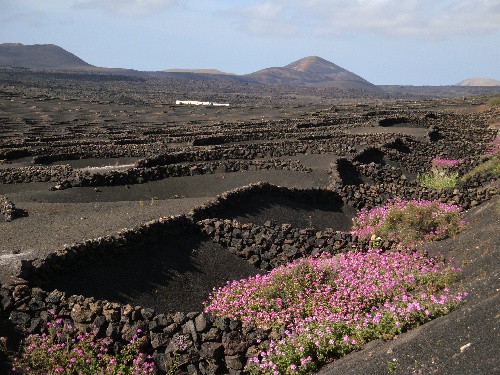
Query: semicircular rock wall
212	345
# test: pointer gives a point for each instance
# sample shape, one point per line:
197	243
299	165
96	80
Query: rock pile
7	209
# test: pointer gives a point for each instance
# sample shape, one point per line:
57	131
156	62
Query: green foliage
489	164
392	367
409	222
494	101
437	179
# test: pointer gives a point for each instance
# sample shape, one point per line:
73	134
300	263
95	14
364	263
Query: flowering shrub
330	305
62	351
444	163
494	147
440	176
409	222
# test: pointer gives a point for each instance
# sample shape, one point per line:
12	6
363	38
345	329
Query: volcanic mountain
311	71
479	82
40	56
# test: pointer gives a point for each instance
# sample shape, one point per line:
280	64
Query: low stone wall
35	174
209	345
197	342
380	174
246	152
370	184
367	196
416	156
410	153
270	246
65	176
189	342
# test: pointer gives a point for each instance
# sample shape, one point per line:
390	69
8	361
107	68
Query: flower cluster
444	163
409	222
494	147
61	350
329	305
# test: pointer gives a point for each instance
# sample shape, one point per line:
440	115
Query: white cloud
434	18
35	5
269	18
406	17
128	7
32	19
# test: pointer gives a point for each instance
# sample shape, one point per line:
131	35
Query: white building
194	102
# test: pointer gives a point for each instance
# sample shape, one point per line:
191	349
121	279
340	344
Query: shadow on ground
175	274
319	214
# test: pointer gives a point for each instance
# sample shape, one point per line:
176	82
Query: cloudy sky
417	42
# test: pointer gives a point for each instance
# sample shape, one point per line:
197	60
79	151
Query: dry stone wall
65	176
201	342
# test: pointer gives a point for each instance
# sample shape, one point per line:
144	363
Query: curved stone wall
212	345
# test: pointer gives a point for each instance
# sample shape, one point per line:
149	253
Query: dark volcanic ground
177	274
38	118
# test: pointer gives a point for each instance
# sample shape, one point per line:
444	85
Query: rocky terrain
123	210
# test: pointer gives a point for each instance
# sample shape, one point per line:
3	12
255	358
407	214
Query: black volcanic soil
319	215
42	113
177	274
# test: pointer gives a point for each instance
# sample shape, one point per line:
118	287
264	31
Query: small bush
441	175
489	162
61	350
409	222
327	306
438	180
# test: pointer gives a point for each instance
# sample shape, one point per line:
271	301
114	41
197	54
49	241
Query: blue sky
417	42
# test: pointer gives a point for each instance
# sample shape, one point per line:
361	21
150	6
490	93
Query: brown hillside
479	82
41	56
313	71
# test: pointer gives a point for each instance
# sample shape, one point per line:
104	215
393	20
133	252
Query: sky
402	42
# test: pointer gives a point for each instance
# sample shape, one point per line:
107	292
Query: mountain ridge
198	71
311	71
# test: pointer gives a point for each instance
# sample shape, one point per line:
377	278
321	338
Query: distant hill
311	71
479	82
39	56
198	71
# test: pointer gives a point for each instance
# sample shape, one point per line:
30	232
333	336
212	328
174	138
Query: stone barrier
210	345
